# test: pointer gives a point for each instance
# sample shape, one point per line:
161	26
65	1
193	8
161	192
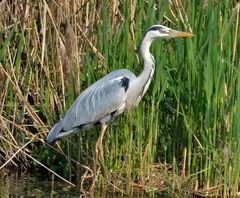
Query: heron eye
164	31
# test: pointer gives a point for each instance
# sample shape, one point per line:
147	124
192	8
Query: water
16	185
24	185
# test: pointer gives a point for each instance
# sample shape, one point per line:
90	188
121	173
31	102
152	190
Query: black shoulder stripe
125	83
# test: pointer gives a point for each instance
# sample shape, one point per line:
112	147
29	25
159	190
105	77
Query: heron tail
53	134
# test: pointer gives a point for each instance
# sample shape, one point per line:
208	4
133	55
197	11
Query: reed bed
183	138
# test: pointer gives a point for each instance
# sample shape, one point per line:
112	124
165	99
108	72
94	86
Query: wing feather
99	100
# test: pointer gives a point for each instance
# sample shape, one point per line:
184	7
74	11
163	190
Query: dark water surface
25	185
16	185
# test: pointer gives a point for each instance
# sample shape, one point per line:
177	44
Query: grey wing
99	101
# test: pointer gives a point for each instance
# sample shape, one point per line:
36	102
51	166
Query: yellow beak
174	33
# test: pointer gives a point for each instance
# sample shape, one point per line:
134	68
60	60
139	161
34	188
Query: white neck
140	85
148	58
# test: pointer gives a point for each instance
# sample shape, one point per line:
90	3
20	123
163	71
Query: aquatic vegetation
184	135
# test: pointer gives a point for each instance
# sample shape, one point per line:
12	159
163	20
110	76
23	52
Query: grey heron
108	97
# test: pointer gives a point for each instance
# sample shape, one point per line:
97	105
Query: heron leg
99	145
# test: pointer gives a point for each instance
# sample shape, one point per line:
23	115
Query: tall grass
184	135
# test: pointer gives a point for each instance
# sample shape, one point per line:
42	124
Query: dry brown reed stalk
32	158
16	153
132	24
94	49
7	151
18	92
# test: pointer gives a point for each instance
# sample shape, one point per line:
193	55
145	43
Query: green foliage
192	104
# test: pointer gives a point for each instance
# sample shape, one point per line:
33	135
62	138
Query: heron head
160	31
